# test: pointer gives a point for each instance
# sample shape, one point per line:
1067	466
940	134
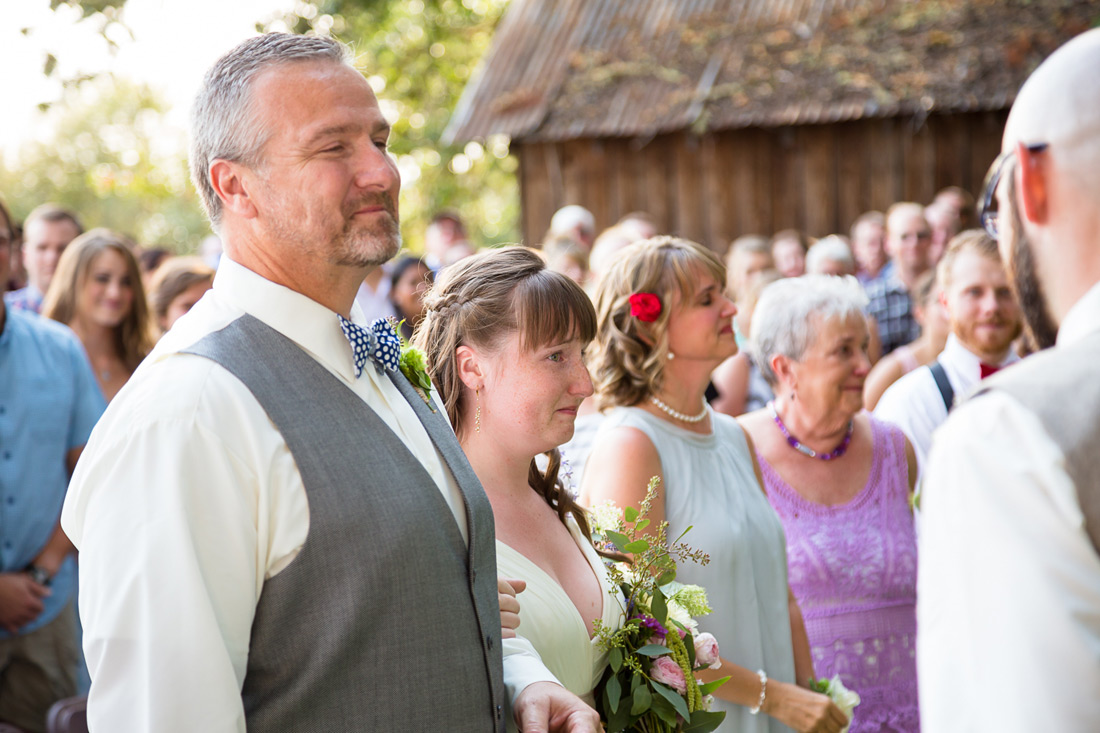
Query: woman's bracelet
763	691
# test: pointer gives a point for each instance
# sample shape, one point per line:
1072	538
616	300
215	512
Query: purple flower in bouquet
653	625
666	671
706	651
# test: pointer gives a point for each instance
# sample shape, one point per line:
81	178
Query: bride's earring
477	412
671	356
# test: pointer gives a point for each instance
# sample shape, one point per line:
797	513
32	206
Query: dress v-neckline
595	566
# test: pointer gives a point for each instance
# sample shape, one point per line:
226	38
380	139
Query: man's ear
229	183
469	367
1032	183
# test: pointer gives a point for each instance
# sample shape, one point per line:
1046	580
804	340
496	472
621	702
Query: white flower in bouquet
605	517
680	615
842	697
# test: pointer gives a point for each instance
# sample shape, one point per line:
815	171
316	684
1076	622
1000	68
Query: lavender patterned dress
853	569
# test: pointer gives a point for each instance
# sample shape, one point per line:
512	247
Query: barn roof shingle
564	69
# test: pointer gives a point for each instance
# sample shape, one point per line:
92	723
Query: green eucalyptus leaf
673	697
703	721
663	709
658	606
620	540
710	687
666	577
635	547
654	650
641	700
641	525
615	659
614	692
630	514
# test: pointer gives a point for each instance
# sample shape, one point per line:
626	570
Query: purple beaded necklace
806	450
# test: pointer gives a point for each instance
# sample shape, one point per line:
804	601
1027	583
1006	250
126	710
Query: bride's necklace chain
676	413
805	449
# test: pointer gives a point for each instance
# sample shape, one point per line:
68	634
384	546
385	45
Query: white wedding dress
550	625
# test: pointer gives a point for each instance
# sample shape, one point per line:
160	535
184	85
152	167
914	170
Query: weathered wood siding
817	178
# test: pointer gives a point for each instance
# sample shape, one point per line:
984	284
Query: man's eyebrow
336	130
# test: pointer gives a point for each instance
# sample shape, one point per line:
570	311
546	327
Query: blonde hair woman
665	323
96	291
504	338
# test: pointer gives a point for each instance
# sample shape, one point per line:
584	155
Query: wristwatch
38	575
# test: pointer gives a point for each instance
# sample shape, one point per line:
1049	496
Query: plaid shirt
25	299
891	307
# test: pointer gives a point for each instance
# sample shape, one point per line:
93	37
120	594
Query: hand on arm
507	590
547	707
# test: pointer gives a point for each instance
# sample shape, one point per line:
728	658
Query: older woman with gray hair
840	482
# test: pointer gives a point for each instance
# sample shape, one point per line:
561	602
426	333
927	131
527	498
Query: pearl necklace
676	413
805	449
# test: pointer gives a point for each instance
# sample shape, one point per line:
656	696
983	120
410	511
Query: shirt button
3	409
7	455
11	499
7	545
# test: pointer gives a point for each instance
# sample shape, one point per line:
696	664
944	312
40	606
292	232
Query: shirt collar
303	320
1083	318
956	353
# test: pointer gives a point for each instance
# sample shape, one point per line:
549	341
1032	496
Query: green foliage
418	55
103	160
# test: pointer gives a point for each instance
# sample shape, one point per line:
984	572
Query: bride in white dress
504	339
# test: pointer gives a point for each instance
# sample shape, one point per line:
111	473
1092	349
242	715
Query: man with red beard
1009	586
984	322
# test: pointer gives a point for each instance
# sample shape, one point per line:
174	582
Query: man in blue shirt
49	402
47	231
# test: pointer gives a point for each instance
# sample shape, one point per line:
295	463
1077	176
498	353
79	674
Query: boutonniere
414	367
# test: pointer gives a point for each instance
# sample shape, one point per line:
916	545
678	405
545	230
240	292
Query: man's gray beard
385	243
1024	279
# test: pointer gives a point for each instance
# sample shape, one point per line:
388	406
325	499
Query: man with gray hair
1009	585
277	530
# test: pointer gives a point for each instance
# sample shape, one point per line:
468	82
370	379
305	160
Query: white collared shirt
914	404
1008	593
186	500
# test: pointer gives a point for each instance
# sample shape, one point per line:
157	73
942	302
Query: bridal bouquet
650	683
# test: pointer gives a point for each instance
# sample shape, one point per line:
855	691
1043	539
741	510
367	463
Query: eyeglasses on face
987	208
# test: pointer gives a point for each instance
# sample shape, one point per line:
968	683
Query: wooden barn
724	117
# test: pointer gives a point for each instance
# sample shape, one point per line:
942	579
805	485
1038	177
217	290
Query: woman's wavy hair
481	300
630	355
134	336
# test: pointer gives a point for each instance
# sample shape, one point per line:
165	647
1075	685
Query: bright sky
174	42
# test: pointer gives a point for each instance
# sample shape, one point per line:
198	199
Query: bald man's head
1060	105
1051	177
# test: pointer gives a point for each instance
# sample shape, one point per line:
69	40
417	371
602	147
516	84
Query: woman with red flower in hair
664	324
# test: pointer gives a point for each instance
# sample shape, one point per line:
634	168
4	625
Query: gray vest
1061	386
384	621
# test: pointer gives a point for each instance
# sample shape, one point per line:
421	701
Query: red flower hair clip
645	307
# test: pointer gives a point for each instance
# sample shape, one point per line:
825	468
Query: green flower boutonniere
414	368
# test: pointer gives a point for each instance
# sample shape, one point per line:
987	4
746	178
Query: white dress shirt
914	404
1008	593
187	499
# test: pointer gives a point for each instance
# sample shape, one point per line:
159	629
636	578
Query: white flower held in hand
842	697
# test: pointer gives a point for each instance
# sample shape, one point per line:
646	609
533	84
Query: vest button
499	712
489	641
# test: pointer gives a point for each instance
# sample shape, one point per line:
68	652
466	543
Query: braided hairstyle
481	300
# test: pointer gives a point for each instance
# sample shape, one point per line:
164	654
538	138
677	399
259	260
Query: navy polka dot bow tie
378	343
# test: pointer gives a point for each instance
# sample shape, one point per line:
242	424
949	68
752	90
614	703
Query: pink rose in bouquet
706	651
666	671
